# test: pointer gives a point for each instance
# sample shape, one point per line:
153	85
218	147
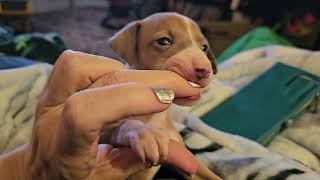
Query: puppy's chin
187	101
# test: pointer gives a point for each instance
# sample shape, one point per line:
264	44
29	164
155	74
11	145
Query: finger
151	78
107	105
74	71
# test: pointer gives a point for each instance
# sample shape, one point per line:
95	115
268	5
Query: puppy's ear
125	42
212	59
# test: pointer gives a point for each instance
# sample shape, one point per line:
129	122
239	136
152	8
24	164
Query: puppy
163	41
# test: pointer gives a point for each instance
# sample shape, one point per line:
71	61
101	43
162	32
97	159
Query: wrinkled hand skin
148	141
64	143
56	152
85	96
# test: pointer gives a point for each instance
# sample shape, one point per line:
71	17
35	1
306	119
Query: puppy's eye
164	41
204	48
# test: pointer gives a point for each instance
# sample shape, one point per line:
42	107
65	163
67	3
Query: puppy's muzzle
201	73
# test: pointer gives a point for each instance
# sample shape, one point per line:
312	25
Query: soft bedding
294	154
20	89
299	142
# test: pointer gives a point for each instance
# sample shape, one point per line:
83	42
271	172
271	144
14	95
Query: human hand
85	94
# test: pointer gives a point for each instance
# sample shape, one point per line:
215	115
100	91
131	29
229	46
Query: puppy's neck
134	66
128	66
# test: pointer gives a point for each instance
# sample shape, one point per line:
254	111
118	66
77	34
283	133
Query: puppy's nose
201	73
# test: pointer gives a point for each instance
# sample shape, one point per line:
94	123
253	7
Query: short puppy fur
165	41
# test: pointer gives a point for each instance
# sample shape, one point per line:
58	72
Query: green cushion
258	37
260	109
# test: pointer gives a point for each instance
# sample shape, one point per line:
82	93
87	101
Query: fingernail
164	95
195	85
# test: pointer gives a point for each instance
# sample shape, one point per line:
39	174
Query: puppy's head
166	41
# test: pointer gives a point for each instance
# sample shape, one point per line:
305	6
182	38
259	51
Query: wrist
13	164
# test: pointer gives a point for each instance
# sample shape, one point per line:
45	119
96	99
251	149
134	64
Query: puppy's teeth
195	85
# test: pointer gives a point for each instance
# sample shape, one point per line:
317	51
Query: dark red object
309	18
292	28
119	2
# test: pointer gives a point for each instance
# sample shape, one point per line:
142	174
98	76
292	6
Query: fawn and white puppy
163	41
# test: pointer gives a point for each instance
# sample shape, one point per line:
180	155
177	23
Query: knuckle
69	65
70	112
67	58
65	54
114	77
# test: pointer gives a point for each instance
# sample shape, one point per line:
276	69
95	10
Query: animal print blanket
294	154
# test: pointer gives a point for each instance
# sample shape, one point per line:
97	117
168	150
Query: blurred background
41	29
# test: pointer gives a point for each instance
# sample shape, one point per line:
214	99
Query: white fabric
19	92
301	140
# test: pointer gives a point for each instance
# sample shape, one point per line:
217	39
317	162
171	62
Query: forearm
13	165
